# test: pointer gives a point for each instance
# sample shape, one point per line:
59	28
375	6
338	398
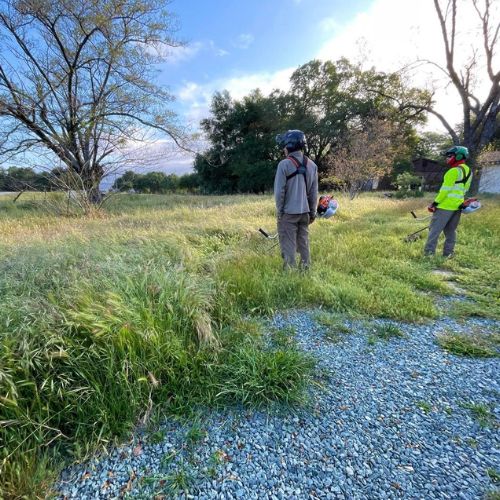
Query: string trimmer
468	206
269	237
416	235
420	218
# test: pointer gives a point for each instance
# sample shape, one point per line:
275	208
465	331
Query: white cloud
392	34
197	97
243	41
175	55
217	50
154	154
241	85
388	35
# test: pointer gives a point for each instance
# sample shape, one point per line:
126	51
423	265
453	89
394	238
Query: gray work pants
443	221
293	232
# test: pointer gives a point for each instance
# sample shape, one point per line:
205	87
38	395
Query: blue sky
241	45
232	37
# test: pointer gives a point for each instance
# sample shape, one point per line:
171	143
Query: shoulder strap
299	168
465	177
293	160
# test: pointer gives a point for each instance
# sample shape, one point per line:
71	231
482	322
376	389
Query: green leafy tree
243	154
189	182
19	178
170	183
152	182
432	145
408	185
126	181
328	101
322	101
25	178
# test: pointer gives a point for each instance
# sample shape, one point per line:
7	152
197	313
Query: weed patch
283	338
384	332
482	413
195	435
474	344
424	406
156	437
494	475
334	326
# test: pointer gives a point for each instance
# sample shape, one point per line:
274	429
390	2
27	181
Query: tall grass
103	319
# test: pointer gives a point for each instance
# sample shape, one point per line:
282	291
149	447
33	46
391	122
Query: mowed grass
104	319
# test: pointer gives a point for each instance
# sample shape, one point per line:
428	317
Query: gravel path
388	420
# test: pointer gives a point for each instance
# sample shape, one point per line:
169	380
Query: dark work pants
293	232
443	221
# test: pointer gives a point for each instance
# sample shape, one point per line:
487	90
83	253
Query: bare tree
76	80
479	117
367	153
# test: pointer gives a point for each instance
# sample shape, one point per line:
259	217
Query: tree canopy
27	179
328	101
155	182
242	155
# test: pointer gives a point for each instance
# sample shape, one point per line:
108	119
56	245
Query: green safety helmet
459	152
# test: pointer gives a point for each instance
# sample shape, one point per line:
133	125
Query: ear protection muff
459	157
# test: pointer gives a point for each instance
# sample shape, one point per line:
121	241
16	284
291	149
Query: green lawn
143	305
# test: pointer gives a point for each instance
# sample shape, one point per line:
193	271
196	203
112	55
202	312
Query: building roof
427	165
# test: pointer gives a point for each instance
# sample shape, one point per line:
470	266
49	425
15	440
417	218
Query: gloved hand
312	218
432	207
466	203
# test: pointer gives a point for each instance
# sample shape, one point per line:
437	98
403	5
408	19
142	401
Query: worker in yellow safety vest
447	206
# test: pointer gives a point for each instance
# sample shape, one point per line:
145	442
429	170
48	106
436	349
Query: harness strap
465	177
299	168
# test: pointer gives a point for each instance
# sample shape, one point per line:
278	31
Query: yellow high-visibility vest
452	192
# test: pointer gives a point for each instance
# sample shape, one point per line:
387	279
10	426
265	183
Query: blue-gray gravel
387	420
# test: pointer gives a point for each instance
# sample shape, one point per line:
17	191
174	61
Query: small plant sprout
424	406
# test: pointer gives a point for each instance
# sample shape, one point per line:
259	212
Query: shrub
408	186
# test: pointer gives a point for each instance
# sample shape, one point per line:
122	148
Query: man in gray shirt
295	193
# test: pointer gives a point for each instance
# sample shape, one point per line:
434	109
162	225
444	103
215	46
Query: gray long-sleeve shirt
296	196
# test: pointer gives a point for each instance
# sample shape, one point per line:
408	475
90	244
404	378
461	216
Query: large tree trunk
91	178
476	171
